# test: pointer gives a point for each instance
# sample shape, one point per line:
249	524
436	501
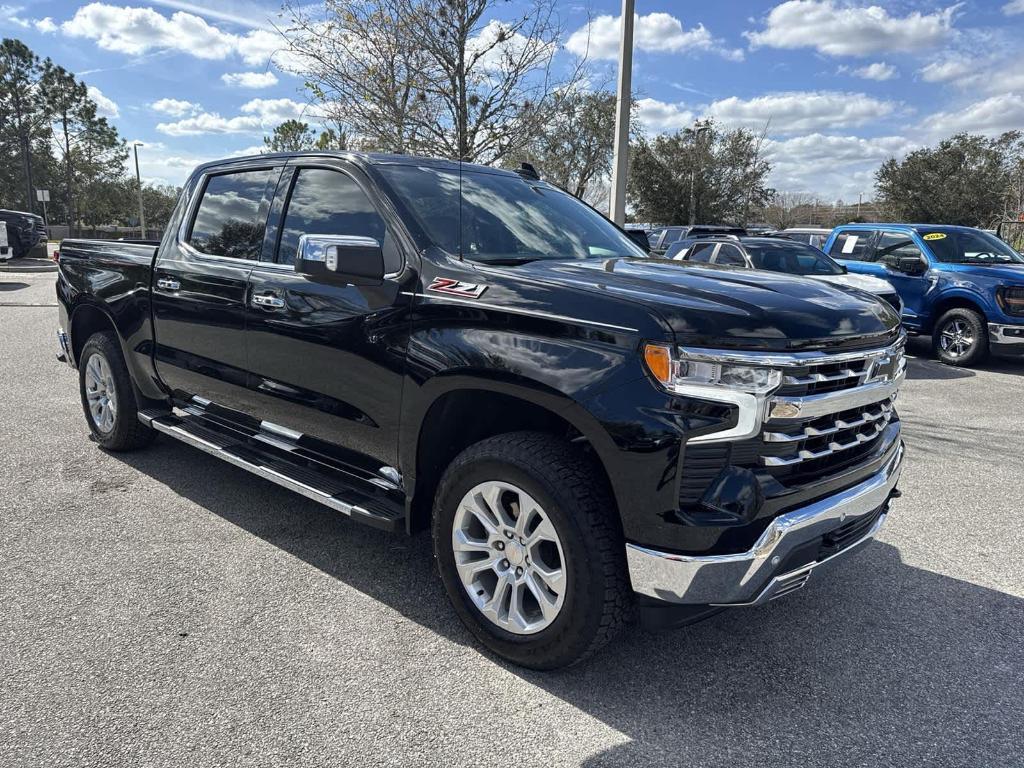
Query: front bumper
1005	334
765	572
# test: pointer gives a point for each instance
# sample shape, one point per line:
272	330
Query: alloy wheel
100	392
509	557
956	338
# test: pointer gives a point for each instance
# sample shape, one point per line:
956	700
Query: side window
326	202
892	246
701	252
730	255
672	235
230	219
654	236
851	245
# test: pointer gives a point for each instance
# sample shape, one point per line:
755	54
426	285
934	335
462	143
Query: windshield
966	246
791	258
505	219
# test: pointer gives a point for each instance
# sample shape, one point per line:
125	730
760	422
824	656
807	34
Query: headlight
1011	299
675	369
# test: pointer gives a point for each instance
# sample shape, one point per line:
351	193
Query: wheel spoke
463	543
548	607
492	497
494	605
553	578
515	607
543	532
470	569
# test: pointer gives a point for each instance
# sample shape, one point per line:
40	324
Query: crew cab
779	254
25	232
963	286
590	433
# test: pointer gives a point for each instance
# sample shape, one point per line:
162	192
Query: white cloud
655	32
878	71
174	107
833	166
105	107
257	116
845	30
801	111
662	117
991	116
46	26
995	74
134	31
945	71
497	47
249	79
1014	7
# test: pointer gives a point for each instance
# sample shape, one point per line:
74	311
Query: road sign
43	195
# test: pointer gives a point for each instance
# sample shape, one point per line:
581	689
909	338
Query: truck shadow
922	364
879	663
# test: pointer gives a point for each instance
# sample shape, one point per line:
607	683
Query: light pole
698	129
138	178
620	162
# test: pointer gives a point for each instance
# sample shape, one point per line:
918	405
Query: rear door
854	249
327	358
200	281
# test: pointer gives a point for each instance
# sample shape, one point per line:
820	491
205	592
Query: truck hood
740	308
999	272
867	283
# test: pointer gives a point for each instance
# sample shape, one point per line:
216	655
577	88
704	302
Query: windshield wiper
509	261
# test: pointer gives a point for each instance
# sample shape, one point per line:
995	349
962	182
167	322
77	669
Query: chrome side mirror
341	258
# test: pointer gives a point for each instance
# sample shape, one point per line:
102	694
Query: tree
722	171
21	114
290	136
787	209
574	149
964	180
431	76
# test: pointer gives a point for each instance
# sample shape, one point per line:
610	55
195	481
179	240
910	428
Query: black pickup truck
591	433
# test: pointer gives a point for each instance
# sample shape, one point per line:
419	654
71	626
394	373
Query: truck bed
109	250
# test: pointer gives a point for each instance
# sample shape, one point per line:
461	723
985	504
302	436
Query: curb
29	265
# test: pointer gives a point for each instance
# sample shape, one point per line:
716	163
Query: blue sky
841	84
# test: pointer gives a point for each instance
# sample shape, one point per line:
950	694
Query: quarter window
231	217
326	202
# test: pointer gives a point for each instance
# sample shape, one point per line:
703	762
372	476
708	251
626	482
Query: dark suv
24	231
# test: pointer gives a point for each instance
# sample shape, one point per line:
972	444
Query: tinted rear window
851	245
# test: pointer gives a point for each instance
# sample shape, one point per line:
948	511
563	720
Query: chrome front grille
829	434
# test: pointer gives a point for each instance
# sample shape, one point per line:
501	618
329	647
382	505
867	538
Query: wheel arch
955	301
87	319
460	410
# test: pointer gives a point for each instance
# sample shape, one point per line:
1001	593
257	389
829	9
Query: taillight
56	256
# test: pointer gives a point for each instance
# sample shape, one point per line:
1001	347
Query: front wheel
108	397
961	337
529	550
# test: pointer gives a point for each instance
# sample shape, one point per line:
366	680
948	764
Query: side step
273	459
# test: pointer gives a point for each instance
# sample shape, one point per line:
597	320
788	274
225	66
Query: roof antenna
527	171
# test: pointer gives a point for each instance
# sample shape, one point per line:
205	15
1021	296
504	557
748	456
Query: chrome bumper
750	578
1005	334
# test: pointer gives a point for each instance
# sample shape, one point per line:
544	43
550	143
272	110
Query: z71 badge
457	287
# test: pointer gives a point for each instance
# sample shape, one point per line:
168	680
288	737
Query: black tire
597	599
127	433
954	326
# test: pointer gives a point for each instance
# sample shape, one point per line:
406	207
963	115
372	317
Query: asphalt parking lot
161	608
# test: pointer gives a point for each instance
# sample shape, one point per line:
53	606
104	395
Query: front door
200	281
327	359
891	252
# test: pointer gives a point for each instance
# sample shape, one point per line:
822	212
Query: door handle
267	301
168	284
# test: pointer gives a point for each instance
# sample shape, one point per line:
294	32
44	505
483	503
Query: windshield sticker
457	287
851	243
935	236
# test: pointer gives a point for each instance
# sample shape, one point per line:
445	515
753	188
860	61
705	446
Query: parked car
587	431
25	231
781	255
961	285
662	237
811	235
6	252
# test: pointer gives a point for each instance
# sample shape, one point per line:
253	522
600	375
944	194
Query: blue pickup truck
963	286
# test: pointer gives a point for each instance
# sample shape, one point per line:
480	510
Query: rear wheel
108	397
529	550
961	337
